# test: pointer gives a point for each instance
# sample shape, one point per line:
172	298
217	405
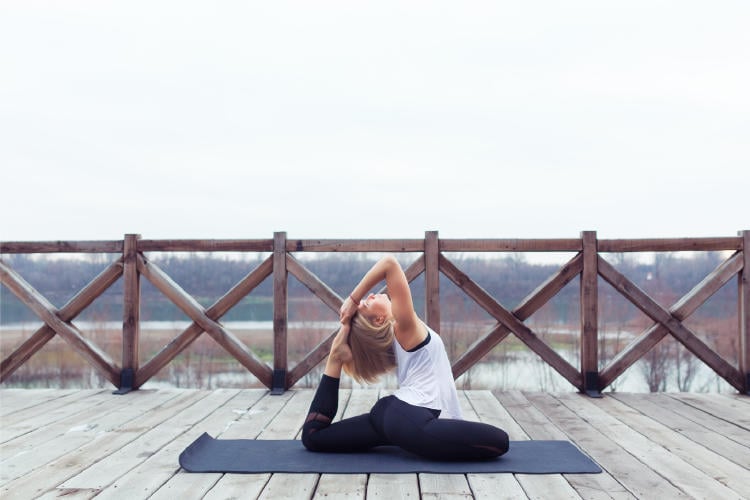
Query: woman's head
371	344
376	308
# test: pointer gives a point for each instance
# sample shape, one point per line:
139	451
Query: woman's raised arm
340	352
402	307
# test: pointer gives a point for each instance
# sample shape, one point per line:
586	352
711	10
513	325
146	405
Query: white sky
374	119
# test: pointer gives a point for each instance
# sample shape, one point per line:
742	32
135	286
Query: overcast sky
374	119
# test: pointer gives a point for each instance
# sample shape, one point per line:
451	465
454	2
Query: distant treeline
511	278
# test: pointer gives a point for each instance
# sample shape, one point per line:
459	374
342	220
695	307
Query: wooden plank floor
90	443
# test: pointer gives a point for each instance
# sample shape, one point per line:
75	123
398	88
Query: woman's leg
350	434
419	431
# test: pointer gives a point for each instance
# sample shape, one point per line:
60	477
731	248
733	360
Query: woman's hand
342	337
348	310
340	352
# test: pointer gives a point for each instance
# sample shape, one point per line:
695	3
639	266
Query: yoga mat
207	454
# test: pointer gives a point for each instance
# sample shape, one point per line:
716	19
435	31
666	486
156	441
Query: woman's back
425	377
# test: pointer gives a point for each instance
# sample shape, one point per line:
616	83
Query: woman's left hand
348	310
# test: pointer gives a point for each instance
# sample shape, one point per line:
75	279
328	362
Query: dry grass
205	364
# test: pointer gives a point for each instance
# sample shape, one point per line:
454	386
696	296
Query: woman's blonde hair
372	349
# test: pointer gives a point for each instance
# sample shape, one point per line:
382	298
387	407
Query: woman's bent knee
497	444
308	435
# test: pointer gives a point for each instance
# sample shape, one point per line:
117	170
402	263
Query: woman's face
375	307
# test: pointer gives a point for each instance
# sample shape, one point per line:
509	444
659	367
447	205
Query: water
527	372
518	369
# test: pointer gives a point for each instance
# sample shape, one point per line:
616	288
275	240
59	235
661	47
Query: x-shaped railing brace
671	321
204	320
58	321
512	321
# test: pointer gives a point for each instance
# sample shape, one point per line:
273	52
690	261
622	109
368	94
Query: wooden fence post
432	280
131	317
280	313
744	311
589	315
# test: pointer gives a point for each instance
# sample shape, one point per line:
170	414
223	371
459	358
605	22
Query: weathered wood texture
131	319
744	311
671	245
432	280
52	318
61	246
589	313
87	443
280	308
510	321
190	334
681	332
195	311
589	263
66	313
681	310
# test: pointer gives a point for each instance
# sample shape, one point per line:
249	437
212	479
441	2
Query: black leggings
394	422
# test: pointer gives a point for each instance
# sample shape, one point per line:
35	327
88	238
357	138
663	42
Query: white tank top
425	378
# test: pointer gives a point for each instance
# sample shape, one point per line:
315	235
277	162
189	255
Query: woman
378	333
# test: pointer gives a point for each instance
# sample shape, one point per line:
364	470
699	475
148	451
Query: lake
510	366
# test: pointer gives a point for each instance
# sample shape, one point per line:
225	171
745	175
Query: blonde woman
378	333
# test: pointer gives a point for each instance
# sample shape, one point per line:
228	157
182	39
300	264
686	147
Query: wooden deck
90	443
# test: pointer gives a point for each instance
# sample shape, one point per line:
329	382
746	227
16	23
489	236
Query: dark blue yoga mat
207	454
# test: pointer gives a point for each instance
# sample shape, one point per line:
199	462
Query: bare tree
655	365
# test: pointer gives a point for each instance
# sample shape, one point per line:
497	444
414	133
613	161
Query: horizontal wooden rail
380	245
11	247
670	245
395	246
588	263
205	245
505	245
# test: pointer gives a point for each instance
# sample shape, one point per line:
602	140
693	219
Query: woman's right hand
342	336
340	353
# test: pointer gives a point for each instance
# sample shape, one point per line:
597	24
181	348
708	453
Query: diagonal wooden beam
510	321
674	325
313	283
320	351
681	310
549	288
329	298
412	272
324	292
479	349
51	317
414	269
197	313
310	361
528	306
67	313
216	311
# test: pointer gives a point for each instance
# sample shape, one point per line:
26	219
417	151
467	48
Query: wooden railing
588	264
